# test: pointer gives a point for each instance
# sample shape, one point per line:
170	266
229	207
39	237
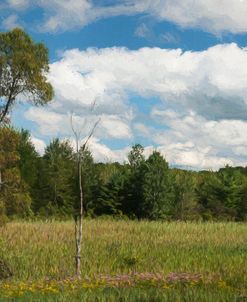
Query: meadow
125	261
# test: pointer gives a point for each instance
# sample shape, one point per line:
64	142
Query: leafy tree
13	190
110	196
210	195
158	200
53	192
234	181
28	158
222	195
136	157
90	180
186	206
23	68
133	193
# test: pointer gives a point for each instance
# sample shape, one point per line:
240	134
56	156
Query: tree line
47	186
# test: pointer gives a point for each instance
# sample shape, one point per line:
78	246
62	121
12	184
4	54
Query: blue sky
169	74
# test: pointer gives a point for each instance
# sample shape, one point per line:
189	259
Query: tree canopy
144	188
23	71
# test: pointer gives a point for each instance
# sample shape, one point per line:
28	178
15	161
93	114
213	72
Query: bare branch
90	134
93	104
75	133
78	217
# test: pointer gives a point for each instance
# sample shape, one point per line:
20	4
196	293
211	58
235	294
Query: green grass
218	251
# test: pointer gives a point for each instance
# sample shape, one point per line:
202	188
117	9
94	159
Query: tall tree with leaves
158	200
13	190
111	195
186	206
23	68
90	180
133	194
28	158
54	192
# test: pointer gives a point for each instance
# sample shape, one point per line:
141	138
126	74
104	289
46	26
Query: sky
168	74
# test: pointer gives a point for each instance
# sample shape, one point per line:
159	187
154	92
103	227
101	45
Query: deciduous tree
23	71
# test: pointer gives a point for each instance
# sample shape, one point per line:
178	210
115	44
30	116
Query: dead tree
79	214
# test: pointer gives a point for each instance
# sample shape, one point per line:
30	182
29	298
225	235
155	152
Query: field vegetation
133	260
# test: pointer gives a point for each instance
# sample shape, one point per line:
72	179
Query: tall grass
41	250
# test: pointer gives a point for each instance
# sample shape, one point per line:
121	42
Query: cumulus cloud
211	82
201	114
191	140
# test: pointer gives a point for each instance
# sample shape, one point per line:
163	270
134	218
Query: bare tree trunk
78	224
79	212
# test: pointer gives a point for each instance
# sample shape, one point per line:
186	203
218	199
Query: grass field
126	261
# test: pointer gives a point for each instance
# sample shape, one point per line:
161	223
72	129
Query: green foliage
23	68
186	204
110	196
90	181
157	195
136	156
53	192
133	193
28	158
13	190
48	185
222	195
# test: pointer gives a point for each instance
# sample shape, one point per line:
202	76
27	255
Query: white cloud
11	22
211	15
38	144
215	16
193	141
58	124
206	80
18	4
204	95
143	31
67	14
101	152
